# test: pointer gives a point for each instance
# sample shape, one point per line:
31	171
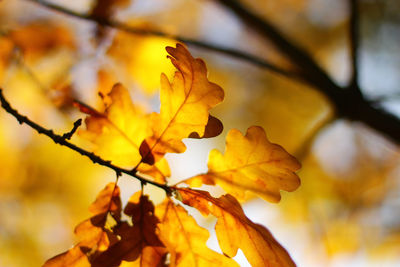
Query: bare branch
192	42
63	141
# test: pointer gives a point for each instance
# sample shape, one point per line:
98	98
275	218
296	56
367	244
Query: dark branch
348	102
62	140
193	42
354	41
307	67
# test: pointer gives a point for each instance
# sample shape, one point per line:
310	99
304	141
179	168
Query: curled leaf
185	105
234	230
251	163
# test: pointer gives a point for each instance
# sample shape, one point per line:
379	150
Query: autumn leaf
38	38
94	238
118	131
185	240
234	230
138	242
251	163
185	105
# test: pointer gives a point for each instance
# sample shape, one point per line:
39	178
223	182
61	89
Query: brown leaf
138	242
184	106
185	240
234	230
251	163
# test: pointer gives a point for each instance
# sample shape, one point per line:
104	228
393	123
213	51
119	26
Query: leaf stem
63	141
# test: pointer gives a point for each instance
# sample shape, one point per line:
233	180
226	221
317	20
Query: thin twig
354	41
69	135
62	140
193	42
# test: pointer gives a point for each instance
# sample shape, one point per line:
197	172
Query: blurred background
347	209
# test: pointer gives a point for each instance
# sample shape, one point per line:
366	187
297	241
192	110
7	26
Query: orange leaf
138	242
107	200
94	238
185	105
185	240
38	38
71	258
119	130
251	163
234	230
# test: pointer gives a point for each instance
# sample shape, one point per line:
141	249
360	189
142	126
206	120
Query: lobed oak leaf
251	163
185	240
118	131
185	105
93	238
234	230
138	242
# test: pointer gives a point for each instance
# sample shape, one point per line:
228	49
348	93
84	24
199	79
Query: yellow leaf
185	105
234	230
251	163
118	131
185	240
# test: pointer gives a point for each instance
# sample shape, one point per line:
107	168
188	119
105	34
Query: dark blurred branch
354	41
348	102
63	140
310	70
193	42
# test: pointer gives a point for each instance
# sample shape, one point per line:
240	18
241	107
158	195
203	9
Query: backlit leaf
118	131
251	163
234	230
138	242
185	240
91	233
185	105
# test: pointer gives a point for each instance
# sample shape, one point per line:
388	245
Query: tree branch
348	102
63	141
354	41
193	42
311	71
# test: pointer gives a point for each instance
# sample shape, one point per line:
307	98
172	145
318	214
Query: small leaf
251	163
184	107
234	230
